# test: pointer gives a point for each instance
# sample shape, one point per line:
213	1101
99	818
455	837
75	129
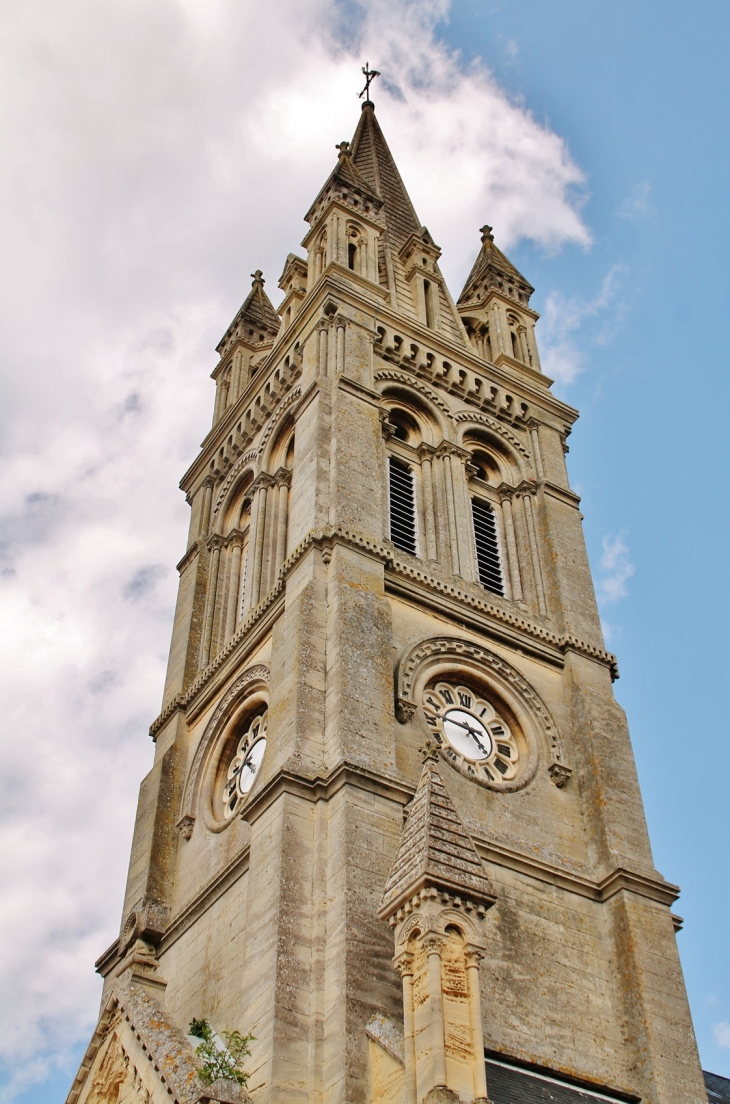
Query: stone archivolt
441	656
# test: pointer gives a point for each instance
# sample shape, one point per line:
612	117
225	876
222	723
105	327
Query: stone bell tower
393	828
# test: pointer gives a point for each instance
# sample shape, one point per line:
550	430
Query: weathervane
370	75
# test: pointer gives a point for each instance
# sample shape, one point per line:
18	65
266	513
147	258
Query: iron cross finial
370	75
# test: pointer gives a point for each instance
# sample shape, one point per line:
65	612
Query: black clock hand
472	732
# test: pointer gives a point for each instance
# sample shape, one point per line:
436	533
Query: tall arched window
402	506
486	542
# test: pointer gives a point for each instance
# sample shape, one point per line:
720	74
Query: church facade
393	828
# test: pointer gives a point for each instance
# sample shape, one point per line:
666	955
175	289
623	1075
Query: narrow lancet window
428	297
487	547
402	502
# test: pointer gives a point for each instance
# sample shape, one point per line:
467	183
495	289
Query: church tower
393	828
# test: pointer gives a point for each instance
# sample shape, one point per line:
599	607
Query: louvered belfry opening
487	547
402	506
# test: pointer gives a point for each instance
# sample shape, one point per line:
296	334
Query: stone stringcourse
389	555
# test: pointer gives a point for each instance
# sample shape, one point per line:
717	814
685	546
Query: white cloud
563	358
721	1031
160	152
617	569
637	204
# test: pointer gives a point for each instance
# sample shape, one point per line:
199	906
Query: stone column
536	451
236	551
261	487
404	966
426	454
340	347
460	460
472	959
208	484
236	375
526	354
322	337
283	478
445	458
532	538
432	947
215	556
511	544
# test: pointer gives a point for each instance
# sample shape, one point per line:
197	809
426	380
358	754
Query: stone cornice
203	900
562	494
405	578
251	630
655	888
190	555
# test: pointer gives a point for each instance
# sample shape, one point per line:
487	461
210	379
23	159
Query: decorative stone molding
492	423
464	654
427	392
559	774
248	457
236	693
185	826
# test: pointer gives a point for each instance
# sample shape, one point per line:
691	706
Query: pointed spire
493	270
435	849
373	159
256	322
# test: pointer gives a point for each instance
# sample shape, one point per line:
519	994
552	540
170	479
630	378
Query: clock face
470	734
244	766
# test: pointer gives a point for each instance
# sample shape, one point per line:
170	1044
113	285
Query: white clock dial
243	771
470	734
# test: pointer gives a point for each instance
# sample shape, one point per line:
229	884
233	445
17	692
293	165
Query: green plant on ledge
217	1062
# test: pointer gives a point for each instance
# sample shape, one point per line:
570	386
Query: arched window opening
289	460
487	467
515	346
351	255
428	297
406	427
402	506
489	564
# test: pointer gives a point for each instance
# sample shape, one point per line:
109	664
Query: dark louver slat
487	547
402	506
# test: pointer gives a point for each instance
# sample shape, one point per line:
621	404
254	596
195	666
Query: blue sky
151	173
640	92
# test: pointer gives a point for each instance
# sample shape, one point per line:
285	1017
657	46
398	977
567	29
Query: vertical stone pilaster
513	560
213	570
426	453
236	550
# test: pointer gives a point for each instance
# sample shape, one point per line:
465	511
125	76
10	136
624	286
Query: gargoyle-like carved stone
559	774
186	825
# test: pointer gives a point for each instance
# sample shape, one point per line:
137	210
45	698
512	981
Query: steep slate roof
435	850
257	313
490	269
374	161
718	1088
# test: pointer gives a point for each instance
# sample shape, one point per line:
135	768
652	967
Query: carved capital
185	826
216	541
559	774
209	482
433	943
426	452
386	426
505	491
403	964
404	710
526	487
263	479
282	476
